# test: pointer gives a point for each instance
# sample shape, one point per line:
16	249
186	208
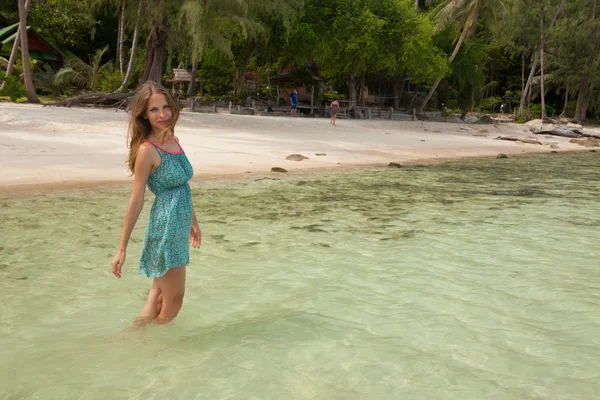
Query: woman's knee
171	305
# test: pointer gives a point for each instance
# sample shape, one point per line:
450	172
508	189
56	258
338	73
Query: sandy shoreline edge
50	188
48	149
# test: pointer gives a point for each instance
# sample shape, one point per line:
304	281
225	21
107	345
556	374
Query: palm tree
81	75
585	87
232	26
31	97
526	93
121	36
212	21
133	49
13	54
465	13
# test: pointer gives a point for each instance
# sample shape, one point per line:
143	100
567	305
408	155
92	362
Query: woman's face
158	112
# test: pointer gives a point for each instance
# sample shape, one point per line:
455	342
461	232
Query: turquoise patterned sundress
167	240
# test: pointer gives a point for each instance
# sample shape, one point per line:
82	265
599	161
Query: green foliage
570	111
490	103
352	42
110	79
385	39
44	77
467	80
9	12
78	74
13	89
238	29
66	23
406	43
330	95
511	98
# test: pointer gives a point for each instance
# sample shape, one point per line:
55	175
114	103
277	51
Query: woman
156	159
335	106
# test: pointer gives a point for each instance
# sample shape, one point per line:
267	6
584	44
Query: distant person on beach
156	159
335	106
294	102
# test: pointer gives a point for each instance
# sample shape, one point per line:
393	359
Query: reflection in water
454	281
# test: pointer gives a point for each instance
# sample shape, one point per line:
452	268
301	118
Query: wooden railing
258	108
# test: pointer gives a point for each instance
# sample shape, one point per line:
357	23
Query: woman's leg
172	287
152	307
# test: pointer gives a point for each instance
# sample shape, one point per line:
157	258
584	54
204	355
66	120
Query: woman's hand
195	236
117	263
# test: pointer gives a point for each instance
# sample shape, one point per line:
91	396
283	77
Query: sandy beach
60	146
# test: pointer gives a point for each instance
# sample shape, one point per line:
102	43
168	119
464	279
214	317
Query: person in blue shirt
294	101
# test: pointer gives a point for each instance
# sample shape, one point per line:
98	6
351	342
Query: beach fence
252	107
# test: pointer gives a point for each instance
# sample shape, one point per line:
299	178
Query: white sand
59	145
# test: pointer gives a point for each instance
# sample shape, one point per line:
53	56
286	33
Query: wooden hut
181	76
40	48
299	79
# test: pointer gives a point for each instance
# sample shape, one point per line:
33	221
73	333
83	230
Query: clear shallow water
467	280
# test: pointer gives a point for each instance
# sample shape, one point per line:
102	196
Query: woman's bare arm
145	161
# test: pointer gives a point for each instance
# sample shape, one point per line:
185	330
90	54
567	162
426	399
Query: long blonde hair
139	127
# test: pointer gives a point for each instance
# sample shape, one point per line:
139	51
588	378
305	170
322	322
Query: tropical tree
350	44
592	65
13	54
31	97
81	75
463	14
408	51
544	35
119	8
136	34
161	19
238	28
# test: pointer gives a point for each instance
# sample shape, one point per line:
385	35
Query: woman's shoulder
147	150
146	146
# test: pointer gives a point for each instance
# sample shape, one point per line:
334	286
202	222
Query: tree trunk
133	49
351	91
398	88
525	94
278	96
155	49
192	88
523	52
13	53
240	76
31	97
396	91
121	37
585	87
542	66
353	86
416	5
402	85
412	101
363	89
523	71
564	111
437	82
582	99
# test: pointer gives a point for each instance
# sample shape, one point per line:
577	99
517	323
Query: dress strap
157	146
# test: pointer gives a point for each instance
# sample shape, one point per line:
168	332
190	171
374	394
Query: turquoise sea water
466	280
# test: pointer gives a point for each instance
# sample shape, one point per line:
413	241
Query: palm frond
69	76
